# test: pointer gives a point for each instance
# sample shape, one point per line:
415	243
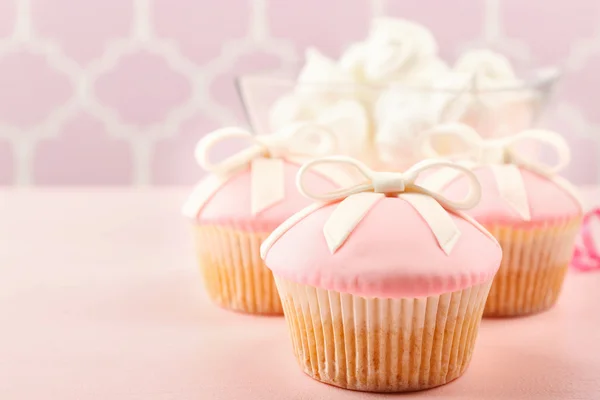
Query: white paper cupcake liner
381	344
234	274
533	268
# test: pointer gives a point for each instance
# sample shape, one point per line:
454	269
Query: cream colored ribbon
503	157
265	157
358	199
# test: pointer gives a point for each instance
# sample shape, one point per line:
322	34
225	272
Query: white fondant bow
264	156
501	154
358	199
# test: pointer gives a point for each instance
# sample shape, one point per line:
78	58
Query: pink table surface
100	299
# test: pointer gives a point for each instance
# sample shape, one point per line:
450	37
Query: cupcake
534	214
383	283
242	200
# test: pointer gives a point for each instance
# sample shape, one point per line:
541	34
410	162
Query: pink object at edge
547	200
230	205
586	256
391	253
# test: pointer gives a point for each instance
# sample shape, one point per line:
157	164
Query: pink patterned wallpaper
117	92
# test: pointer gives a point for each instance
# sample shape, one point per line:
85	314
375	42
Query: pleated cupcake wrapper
534	265
379	344
234	274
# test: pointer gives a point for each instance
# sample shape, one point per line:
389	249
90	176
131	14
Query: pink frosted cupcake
243	199
383	284
533	213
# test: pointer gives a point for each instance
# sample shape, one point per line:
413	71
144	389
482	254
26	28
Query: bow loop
206	145
338	193
306	139
449	137
550	139
469	201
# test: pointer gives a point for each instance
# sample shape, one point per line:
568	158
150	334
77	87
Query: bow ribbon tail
511	187
336	174
267	187
200	195
439	220
346	216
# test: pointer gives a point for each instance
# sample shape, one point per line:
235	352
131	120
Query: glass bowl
390	136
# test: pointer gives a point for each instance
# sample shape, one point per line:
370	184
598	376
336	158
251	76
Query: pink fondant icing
547	200
230	204
390	253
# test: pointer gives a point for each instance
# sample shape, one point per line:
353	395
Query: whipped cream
488	95
319	68
479	71
387	89
395	50
348	120
352	61
320	83
401	114
289	109
487	66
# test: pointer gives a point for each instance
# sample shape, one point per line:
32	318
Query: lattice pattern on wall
118	91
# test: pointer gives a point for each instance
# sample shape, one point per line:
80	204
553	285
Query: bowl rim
538	79
541	82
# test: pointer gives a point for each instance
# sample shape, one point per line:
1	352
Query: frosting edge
285	226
